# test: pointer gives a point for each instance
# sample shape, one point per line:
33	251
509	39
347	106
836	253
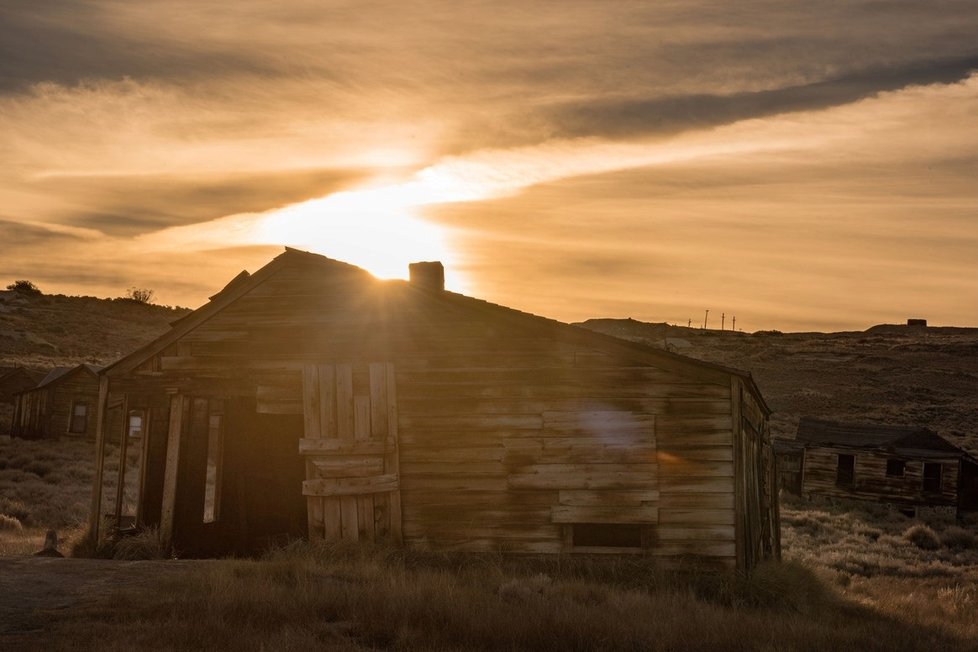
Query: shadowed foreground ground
307	597
37	593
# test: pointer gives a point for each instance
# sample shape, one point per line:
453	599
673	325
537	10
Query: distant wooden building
788	455
14	380
311	399
64	402
912	469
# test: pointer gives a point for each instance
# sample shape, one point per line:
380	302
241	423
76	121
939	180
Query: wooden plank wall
758	515
29	414
870	479
508	432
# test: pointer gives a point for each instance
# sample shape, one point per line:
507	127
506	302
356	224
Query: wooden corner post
179	405
101	428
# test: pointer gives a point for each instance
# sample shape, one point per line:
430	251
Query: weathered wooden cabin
63	403
311	399
14	380
913	469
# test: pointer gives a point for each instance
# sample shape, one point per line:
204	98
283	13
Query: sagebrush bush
8	523
39	468
957	538
922	536
14	508
785	585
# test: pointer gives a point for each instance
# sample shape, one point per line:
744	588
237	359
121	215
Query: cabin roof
7	372
58	373
244	282
865	435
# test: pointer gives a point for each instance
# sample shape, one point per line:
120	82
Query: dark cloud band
618	119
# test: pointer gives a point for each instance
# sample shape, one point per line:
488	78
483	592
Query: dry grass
314	597
43	485
870	541
47	484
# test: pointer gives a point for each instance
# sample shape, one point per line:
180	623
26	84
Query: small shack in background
788	454
310	399
17	379
64	402
913	469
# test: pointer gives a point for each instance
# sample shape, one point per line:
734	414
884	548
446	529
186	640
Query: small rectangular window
845	472
212	481
135	425
79	418
895	468
607	535
932	477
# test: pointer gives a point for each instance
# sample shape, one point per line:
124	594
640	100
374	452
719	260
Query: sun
377	229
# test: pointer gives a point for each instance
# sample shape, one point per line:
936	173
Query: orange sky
800	165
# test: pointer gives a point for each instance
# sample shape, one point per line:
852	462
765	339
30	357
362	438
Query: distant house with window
64	402
913	469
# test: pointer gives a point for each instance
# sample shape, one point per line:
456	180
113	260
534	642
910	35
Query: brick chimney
427	275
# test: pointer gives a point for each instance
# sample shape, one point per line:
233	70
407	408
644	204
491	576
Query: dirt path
35	592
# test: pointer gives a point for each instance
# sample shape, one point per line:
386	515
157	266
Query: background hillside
44	331
921	376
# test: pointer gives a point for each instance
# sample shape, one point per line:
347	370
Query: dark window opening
79	418
932	477
895	468
845	473
607	535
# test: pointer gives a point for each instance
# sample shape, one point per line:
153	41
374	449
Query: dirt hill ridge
910	375
41	331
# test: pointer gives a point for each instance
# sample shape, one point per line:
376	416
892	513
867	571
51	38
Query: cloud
66	42
27	235
187	199
630	117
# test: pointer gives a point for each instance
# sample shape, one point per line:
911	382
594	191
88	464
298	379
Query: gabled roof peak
871	435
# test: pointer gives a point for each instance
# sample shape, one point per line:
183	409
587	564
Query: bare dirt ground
36	593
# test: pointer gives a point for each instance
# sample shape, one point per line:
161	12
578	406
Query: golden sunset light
441	325
672	162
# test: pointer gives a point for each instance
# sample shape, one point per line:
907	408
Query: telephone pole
706	318
723	319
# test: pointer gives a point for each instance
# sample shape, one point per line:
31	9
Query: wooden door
352	484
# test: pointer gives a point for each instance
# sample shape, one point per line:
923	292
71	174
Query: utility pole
723	318
706	318
689	324
735	323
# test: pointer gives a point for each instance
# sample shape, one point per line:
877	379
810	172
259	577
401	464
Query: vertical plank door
352	484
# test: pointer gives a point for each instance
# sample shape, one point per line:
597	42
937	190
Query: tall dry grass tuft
788	585
958	538
144	544
922	536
